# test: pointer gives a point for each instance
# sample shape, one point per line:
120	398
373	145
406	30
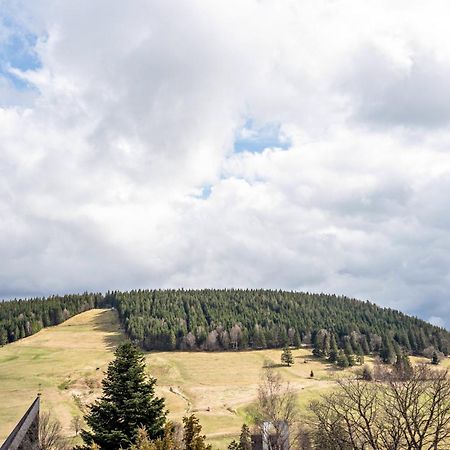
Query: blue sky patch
17	51
206	191
255	138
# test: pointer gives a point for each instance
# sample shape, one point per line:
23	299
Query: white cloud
139	103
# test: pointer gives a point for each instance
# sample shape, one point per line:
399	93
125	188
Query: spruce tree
403	368
333	350
127	404
365	345
387	352
192	437
297	341
245	439
435	359
286	357
342	360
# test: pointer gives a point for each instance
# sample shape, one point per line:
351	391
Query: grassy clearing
66	364
219	387
59	362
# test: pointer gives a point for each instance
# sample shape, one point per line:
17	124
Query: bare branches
393	415
50	433
277	405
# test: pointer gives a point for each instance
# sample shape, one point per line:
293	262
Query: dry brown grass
59	362
66	363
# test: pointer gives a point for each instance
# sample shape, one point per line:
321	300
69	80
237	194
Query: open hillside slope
61	362
67	362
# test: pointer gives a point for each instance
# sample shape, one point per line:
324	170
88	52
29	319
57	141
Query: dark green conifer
387	352
297	341
192	437
435	359
128	402
286	357
342	360
333	350
245	439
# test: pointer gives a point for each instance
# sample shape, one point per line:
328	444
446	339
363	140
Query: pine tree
403	367
435	359
333	350
365	345
128	402
297	341
142	441
348	349
286	357
387	352
192	438
245	439
342	360
326	345
351	360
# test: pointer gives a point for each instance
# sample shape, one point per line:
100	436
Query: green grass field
66	364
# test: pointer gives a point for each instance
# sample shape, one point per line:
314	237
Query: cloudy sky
299	144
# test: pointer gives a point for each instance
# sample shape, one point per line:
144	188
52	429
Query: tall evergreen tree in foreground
128	403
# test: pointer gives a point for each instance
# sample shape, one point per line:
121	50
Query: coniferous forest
240	319
214	320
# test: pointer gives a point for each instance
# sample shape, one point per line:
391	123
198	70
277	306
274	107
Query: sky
285	144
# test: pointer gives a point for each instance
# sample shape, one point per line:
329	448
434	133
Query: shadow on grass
273	365
107	321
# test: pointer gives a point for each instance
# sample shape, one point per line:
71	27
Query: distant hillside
235	319
240	319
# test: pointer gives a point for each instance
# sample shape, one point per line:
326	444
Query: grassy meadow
66	364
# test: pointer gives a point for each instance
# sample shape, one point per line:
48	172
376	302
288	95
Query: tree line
339	328
228	319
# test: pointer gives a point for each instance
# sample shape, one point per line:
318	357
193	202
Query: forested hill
240	319
234	319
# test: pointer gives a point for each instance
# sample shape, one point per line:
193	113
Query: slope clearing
66	364
60	362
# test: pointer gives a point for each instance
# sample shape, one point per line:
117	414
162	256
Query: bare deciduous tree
277	404
77	423
235	335
391	415
212	343
50	433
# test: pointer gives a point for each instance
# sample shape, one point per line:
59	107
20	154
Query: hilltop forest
214	320
240	319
